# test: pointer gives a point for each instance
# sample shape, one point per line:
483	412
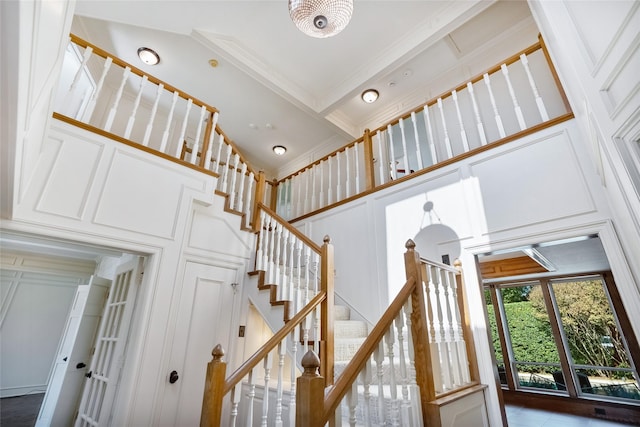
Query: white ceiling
307	89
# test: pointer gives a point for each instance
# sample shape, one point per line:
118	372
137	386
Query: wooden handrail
259	355
291	228
349	375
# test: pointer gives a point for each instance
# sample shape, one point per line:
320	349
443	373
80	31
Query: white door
104	372
204	319
65	383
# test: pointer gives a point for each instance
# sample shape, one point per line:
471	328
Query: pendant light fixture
321	18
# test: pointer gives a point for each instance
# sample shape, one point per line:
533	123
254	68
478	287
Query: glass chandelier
321	18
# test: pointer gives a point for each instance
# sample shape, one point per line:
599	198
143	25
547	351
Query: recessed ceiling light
369	96
279	149
148	56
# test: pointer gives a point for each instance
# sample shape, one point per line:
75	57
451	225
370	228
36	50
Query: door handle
89	374
80	365
173	377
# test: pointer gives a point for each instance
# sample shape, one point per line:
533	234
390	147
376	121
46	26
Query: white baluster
405	157
313	186
240	200
352	402
450	329
289	198
225	170
236	395
329	185
316	329
514	100
356	160
183	130
365	379
196	143
134	110
209	153
395	410
116	101
282	351
299	204
307	175
276	260
416	139
378	356
429	129
447	141
152	117
392	160
416	409
404	378
321	193
249	204
260	262
70	99
234	178
347	183
265	397
381	162
433	337
250	397
96	93
487	83
338	180
295	337
165	134
219	153
284	281
463	133
476	110
534	89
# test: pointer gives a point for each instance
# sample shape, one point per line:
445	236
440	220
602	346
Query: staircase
348	337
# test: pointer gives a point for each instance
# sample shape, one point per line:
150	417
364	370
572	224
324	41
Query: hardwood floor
518	416
20	411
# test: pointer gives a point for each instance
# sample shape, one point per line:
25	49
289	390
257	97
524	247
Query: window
561	336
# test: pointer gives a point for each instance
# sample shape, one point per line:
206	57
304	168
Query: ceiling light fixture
370	95
321	18
279	149
148	56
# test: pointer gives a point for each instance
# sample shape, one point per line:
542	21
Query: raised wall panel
71	178
531	184
604	16
141	195
215	233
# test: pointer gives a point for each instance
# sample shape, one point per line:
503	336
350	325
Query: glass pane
495	338
595	344
548	376
531	339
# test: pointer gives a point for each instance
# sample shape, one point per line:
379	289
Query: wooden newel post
213	389
420	331
370	179
310	395
467	331
259	196
327	272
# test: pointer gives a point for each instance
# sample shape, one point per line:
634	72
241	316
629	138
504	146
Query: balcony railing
518	96
103	94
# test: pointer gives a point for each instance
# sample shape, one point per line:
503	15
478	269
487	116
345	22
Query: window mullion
507	353
563	352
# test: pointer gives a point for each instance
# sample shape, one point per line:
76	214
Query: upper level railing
103	94
520	95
